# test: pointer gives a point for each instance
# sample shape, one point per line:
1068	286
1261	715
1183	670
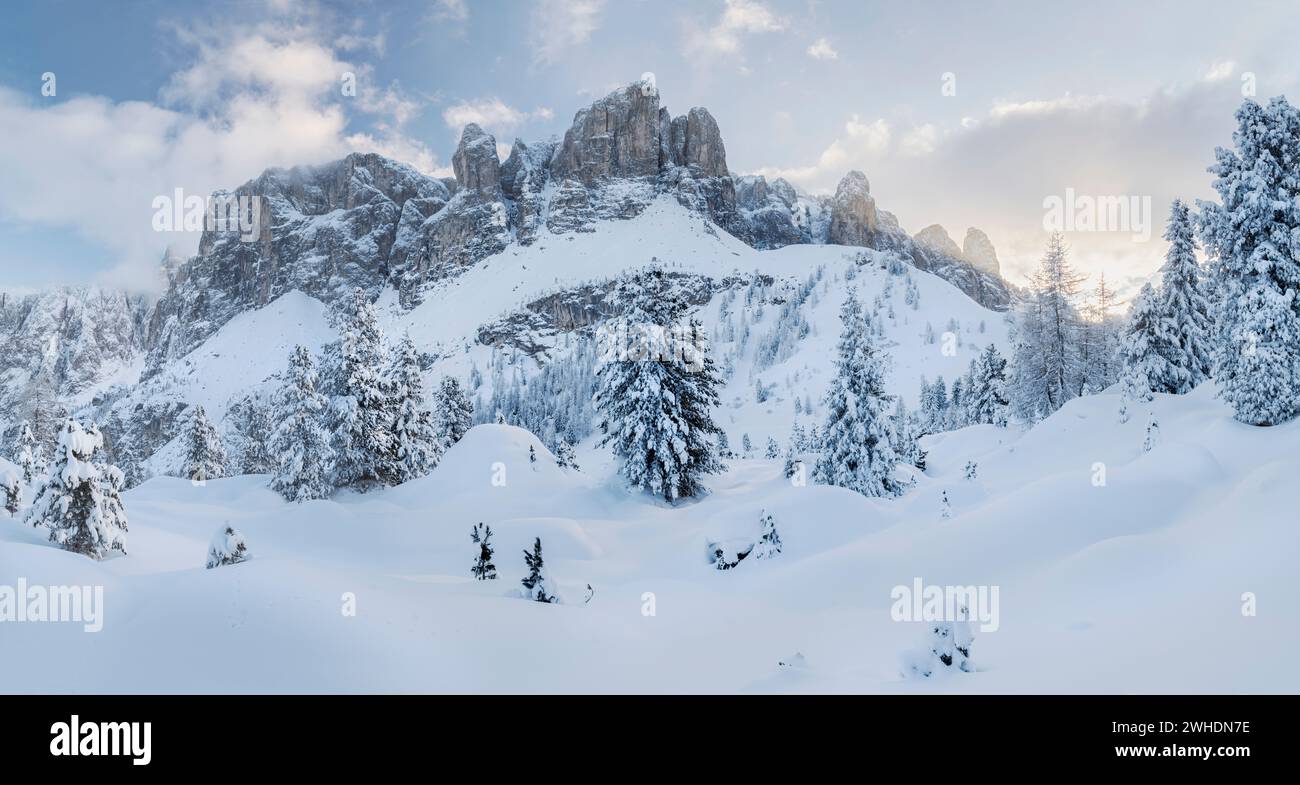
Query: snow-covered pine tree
772	450
949	646
987	399
484	569
1152	435
416	446
945	506
1252	238
27	455
858	439
769	544
453	411
972	468
957	406
537	584
300	441
11	488
257	446
1101	339
1046	368
724	446
791	465
362	413
564	455
655	398
227	547
907	443
205	457
1140	357
79	501
532	457
1183	306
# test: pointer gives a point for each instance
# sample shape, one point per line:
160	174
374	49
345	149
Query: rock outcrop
476	164
978	250
616	137
935	238
853	212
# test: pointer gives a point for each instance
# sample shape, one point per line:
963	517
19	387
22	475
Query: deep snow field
1133	586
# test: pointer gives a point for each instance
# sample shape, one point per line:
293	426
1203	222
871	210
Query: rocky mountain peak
617	136
476	163
696	142
978	250
853	211
936	238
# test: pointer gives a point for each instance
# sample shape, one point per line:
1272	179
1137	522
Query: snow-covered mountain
492	258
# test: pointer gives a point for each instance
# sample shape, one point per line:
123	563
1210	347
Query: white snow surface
1132	586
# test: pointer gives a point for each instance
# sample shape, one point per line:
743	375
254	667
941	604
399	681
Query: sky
962	114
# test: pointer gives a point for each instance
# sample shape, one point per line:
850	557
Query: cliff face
370	222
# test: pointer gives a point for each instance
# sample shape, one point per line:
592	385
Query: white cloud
918	141
253	97
821	49
1220	70
994	169
559	25
493	114
452	10
739	18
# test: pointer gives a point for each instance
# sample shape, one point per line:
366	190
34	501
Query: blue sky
1104	98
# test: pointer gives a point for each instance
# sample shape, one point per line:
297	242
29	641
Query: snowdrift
1134	584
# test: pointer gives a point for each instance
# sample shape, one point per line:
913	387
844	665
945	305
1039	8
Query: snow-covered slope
1134	585
251	348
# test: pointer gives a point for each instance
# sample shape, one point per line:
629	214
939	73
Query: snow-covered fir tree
27	455
972	469
11	492
483	569
947	649
453	413
1183	307
416	446
362	413
1046	368
1252	238
80	500
769	544
537	584
1152	437
791	465
300	441
654	397
772	450
986	397
565	457
945	506
258	427
907	444
858	451
1100	340
205	456
1141	358
227	547
934	406
724	446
